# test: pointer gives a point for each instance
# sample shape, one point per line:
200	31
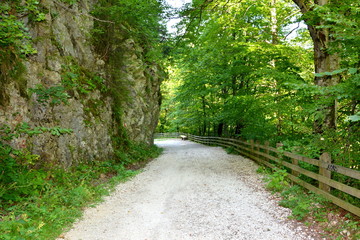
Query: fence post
278	145
325	157
258	149
267	144
293	172
252	147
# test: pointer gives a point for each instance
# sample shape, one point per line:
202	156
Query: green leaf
353	70
322	74
354	118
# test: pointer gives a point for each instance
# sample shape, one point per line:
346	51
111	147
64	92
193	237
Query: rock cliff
68	85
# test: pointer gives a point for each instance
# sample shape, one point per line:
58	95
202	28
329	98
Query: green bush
277	181
39	202
302	203
53	95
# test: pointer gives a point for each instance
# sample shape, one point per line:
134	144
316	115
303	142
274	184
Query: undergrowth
311	208
40	203
231	150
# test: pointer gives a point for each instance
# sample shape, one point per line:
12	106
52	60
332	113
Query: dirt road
190	192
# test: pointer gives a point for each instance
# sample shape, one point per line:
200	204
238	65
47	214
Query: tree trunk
238	128
325	61
220	129
204	115
273	20
274	41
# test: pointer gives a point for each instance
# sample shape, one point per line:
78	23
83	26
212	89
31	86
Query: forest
80	80
276	70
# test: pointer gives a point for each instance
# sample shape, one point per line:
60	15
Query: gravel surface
192	191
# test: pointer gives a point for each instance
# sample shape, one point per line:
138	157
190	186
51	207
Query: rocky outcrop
67	64
141	111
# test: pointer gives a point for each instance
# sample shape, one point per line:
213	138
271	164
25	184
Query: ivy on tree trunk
324	59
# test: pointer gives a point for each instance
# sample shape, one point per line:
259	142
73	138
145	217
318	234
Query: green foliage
57	131
53	95
75	77
355	118
16	165
25	129
132	154
311	208
55	199
233	72
15	42
236	75
231	150
71	2
134	19
13	33
302	204
39	202
277	181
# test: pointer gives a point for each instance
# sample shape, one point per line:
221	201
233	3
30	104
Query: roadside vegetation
259	70
252	70
313	210
39	198
40	202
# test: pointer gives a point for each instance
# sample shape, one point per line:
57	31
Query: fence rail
167	135
270	157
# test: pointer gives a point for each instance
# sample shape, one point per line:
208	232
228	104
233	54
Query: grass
61	195
312	209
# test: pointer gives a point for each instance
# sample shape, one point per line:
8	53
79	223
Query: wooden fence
270	157
167	135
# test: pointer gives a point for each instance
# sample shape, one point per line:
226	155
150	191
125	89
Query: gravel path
192	192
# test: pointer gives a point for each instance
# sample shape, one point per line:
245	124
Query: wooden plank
325	157
263	162
275	150
231	140
257	148
340	169
340	186
222	144
238	141
234	145
234	140
295	162
337	201
302	158
244	153
241	142
267	156
332	167
266	147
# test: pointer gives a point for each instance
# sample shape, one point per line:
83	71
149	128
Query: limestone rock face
65	56
141	111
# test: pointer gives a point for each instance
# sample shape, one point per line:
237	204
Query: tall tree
325	59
